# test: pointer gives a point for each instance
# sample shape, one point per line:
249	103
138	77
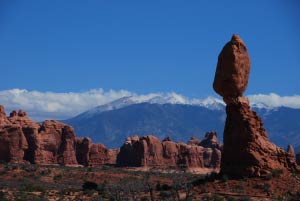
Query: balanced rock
246	150
233	68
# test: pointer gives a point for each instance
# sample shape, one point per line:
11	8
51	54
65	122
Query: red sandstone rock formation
50	142
149	151
233	68
82	150
13	144
211	141
193	141
89	154
247	150
3	118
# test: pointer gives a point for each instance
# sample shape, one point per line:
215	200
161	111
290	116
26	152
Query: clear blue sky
145	46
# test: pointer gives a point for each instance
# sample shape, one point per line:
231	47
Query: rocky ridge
52	142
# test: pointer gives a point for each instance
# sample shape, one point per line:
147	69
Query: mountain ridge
111	124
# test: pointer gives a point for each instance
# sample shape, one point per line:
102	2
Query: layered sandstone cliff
247	150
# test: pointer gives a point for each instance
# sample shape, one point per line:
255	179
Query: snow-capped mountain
211	103
178	117
171	98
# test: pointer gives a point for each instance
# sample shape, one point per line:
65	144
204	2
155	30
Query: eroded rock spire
247	150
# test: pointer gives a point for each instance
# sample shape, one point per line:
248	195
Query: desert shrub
9	166
21	196
217	197
2	162
3	172
29	168
245	198
31	187
238	188
224	178
276	173
165	194
89	185
163	187
102	189
145	198
230	198
57	177
266	188
198	182
212	177
158	186
2	196
268	177
296	172
45	171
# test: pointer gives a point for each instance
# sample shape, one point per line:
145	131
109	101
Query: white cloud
47	105
273	100
51	105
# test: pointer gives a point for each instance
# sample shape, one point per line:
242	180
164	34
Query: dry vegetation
35	182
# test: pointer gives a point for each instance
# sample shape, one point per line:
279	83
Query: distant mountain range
172	116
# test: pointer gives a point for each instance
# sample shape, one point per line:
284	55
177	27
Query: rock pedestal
246	150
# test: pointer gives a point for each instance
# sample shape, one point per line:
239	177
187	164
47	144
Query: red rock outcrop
89	154
82	150
3	118
149	151
50	142
247	150
13	144
211	141
193	141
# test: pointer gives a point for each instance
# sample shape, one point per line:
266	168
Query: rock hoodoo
247	150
